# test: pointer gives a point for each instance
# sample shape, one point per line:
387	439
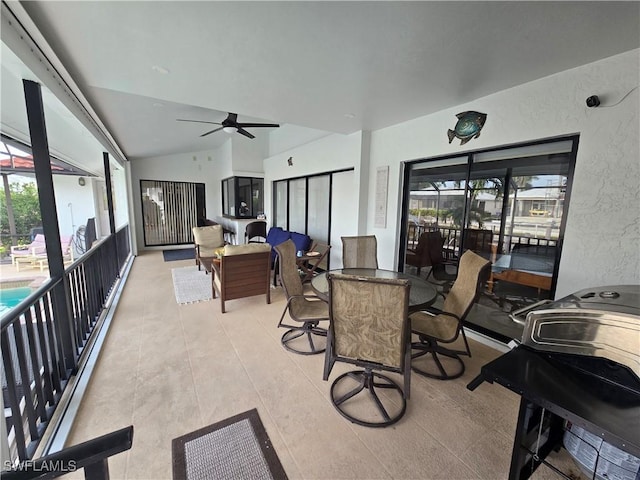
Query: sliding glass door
507	205
170	210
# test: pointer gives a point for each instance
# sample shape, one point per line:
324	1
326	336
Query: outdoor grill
596	332
577	370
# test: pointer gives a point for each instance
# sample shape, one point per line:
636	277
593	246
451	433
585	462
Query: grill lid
602	322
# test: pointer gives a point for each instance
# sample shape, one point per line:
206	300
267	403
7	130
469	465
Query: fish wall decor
468	126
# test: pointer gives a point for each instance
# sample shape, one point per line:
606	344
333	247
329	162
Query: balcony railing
451	236
42	348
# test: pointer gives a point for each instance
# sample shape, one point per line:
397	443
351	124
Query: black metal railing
42	348
92	456
452	239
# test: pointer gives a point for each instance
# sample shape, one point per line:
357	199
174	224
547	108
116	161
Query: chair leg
368	381
427	346
329	359
310	330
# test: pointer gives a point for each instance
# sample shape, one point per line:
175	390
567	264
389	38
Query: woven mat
181	254
236	448
191	285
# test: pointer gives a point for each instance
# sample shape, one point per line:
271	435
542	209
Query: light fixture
230	129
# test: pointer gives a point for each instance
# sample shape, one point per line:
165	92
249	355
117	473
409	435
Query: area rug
182	254
191	285
236	448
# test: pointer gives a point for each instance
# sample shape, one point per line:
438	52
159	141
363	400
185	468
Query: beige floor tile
169	369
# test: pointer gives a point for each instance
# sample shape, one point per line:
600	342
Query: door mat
236	448
182	254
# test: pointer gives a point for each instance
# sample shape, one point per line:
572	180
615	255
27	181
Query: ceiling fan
231	125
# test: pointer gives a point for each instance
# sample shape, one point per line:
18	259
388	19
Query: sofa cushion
302	241
209	238
246	248
276	236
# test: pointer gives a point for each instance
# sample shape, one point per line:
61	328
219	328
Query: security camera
593	101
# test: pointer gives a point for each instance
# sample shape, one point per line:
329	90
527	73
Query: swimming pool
10	297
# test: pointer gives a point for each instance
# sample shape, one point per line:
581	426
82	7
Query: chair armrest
436	311
310	297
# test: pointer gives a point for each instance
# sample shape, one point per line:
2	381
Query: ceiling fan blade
242	131
253	125
212	131
197	121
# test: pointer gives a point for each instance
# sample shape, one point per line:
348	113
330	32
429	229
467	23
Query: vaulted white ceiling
325	66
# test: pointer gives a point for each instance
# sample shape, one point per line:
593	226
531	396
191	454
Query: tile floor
169	369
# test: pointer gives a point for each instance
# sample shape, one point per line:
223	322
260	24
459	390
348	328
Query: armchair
206	241
243	271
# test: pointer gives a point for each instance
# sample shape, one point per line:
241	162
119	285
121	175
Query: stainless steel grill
577	371
596	331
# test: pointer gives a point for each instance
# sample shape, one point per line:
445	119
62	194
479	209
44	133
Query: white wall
248	154
74	203
602	237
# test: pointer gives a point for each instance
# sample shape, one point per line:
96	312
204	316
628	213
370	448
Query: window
242	197
304	204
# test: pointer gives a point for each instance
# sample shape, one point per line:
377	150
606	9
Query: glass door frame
406	168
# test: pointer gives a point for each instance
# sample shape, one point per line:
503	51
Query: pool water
10	297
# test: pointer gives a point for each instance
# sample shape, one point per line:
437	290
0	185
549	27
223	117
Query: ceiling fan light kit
231	125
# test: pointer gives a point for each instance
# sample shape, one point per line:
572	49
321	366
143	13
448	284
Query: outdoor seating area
238	355
237	268
34	255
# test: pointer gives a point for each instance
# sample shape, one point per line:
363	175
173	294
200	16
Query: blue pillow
276	236
272	234
302	241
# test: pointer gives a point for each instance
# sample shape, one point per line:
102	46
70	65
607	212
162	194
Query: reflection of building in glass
534	202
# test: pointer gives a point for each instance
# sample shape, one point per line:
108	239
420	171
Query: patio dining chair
421	256
435	327
368	328
256	232
305	309
360	252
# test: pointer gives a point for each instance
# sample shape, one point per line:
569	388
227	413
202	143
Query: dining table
421	293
